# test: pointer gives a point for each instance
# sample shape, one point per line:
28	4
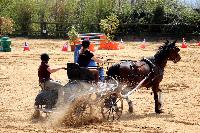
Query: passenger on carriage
44	72
85	56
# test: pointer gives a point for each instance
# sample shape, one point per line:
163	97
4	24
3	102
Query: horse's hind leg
130	105
157	99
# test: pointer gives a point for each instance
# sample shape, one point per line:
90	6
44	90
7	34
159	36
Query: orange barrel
108	46
103	41
102	46
117	46
92	47
114	46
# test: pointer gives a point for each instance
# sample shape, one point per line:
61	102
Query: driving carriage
81	93
109	94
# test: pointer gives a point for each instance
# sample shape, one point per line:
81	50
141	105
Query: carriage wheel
80	113
112	106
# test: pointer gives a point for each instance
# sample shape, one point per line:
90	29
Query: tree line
56	17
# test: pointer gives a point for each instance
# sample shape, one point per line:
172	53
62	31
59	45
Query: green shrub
73	34
90	15
6	26
24	11
110	25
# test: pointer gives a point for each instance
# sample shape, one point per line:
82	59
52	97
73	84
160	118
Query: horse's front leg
130	105
157	98
124	91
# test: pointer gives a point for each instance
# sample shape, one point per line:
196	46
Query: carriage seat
75	72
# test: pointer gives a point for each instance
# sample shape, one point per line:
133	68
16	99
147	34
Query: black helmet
85	43
44	57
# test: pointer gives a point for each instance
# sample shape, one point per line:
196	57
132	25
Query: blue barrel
5	44
91	64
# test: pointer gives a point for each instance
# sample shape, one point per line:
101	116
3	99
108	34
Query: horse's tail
113	71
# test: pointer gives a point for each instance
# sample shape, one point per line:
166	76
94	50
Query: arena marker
65	48
122	42
198	44
143	44
184	45
26	47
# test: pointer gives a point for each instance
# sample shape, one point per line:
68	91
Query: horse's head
171	51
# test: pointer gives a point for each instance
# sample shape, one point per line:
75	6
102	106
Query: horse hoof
130	110
159	111
130	104
36	114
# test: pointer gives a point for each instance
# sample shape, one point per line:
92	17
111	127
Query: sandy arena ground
19	86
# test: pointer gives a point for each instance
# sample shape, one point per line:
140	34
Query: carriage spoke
117	101
117	113
113	114
112	107
108	114
107	111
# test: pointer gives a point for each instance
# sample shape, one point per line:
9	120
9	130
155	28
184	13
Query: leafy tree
24	11
110	25
87	15
133	15
6	7
158	17
6	26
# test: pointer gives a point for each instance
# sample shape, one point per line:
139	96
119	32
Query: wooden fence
59	30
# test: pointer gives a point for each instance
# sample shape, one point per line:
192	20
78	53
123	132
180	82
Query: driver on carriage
85	56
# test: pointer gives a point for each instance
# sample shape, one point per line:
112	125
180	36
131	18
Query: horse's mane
164	46
163	50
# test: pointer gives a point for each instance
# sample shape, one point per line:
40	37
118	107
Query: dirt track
19	86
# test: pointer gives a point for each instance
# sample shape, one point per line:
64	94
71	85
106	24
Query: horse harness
155	71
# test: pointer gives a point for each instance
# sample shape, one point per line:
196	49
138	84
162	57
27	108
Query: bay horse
151	69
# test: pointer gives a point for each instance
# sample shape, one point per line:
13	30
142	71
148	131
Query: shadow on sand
128	116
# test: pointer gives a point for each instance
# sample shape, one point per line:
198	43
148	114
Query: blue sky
193	3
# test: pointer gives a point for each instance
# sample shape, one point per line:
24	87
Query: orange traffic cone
198	44
26	47
65	48
143	44
184	45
